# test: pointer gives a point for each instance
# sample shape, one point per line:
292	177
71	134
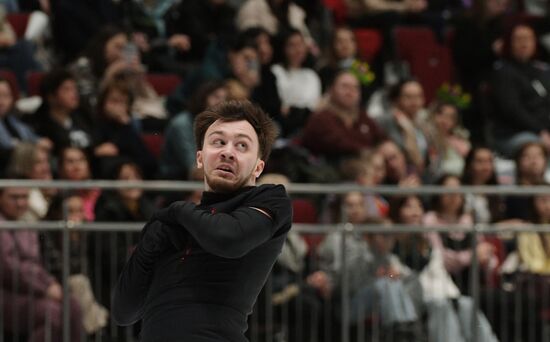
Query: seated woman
342	55
29	290
16	55
111	55
298	86
74	165
449	141
521	94
109	251
61	118
449	313
33	162
376	285
527	269
456	246
116	134
94	315
401	122
531	164
12	129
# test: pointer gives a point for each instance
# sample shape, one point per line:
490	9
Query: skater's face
230	156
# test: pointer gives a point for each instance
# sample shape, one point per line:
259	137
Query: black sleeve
233	234
136	277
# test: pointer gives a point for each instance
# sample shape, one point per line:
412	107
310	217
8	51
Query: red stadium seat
369	43
12	80
153	142
409	39
34	79
19	22
338	9
164	84
429	61
304	211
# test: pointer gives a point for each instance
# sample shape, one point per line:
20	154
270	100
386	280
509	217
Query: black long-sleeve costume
197	270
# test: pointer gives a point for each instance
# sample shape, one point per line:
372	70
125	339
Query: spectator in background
412	248
244	70
342	55
15	54
111	55
531	164
74	165
71	208
60	118
398	170
448	141
177	158
13	130
477	42
237	63
33	162
28	289
266	92
401	124
368	170
296	288
275	16
533	246
110	250
448	209
447	311
341	127
529	273
376	285
116	134
479	170
174	35
521	94
298	86
74	23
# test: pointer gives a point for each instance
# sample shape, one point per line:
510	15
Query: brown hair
521	151
116	84
234	110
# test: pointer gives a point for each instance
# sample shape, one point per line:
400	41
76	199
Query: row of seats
164	84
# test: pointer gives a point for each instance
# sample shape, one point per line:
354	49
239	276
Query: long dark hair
495	202
467	174
533	215
95	50
507	41
519	155
436	199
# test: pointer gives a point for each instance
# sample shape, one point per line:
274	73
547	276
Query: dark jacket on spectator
521	95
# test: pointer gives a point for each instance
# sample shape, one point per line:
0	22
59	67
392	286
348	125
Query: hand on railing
320	281
55	292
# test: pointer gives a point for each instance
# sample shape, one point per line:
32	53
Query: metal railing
66	227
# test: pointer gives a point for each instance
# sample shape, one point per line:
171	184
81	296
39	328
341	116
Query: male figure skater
197	270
